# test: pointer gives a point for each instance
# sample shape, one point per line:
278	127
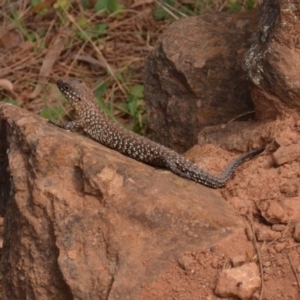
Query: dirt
258	187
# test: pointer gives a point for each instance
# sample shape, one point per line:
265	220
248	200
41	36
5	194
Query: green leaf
132	105
159	13
137	91
85	3
10	100
100	91
35	2
124	107
97	31
114	6
250	4
101	5
52	112
62	4
82	22
109	5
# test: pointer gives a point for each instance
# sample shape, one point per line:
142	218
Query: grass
103	43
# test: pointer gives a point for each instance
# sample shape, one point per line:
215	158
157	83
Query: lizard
97	125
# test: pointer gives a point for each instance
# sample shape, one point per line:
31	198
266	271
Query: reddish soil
255	184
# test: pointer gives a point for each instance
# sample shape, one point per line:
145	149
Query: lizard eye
66	87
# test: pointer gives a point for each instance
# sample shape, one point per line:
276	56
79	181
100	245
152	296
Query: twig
258	256
166	9
294	271
109	69
289	247
273	241
241	115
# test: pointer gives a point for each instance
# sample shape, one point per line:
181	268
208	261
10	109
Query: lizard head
77	93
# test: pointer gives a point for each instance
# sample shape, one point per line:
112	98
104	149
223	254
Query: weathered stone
278	227
239	282
186	262
297	232
273	60
264	234
197	79
279	247
286	154
273	211
238	260
289	189
85	222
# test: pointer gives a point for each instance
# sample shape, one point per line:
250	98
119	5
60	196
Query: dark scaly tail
187	169
227	173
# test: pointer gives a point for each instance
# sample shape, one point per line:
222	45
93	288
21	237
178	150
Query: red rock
278	227
286	154
86	222
266	234
249	233
238	260
273	211
240	282
197	79
272	62
186	262
289	189
279	247
296	233
215	262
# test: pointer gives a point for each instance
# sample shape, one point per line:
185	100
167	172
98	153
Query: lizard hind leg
187	169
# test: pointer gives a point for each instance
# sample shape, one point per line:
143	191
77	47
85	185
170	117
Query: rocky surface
85	222
273	60
240	282
81	213
197	79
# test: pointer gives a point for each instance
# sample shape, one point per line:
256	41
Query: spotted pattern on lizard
99	127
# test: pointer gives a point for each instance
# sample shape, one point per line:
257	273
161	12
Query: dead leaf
7	85
11	39
51	56
96	65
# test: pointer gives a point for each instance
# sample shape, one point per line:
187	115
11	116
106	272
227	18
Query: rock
240	282
273	211
273	60
85	222
249	233
278	227
266	234
215	262
279	247
289	189
268	271
197	79
279	261
186	262
286	154
296	234
255	296
267	264
238	260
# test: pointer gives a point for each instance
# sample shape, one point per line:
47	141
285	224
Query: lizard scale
99	127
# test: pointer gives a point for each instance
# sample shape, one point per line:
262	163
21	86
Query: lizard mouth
66	90
63	87
60	85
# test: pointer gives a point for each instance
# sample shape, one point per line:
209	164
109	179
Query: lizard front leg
76	124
